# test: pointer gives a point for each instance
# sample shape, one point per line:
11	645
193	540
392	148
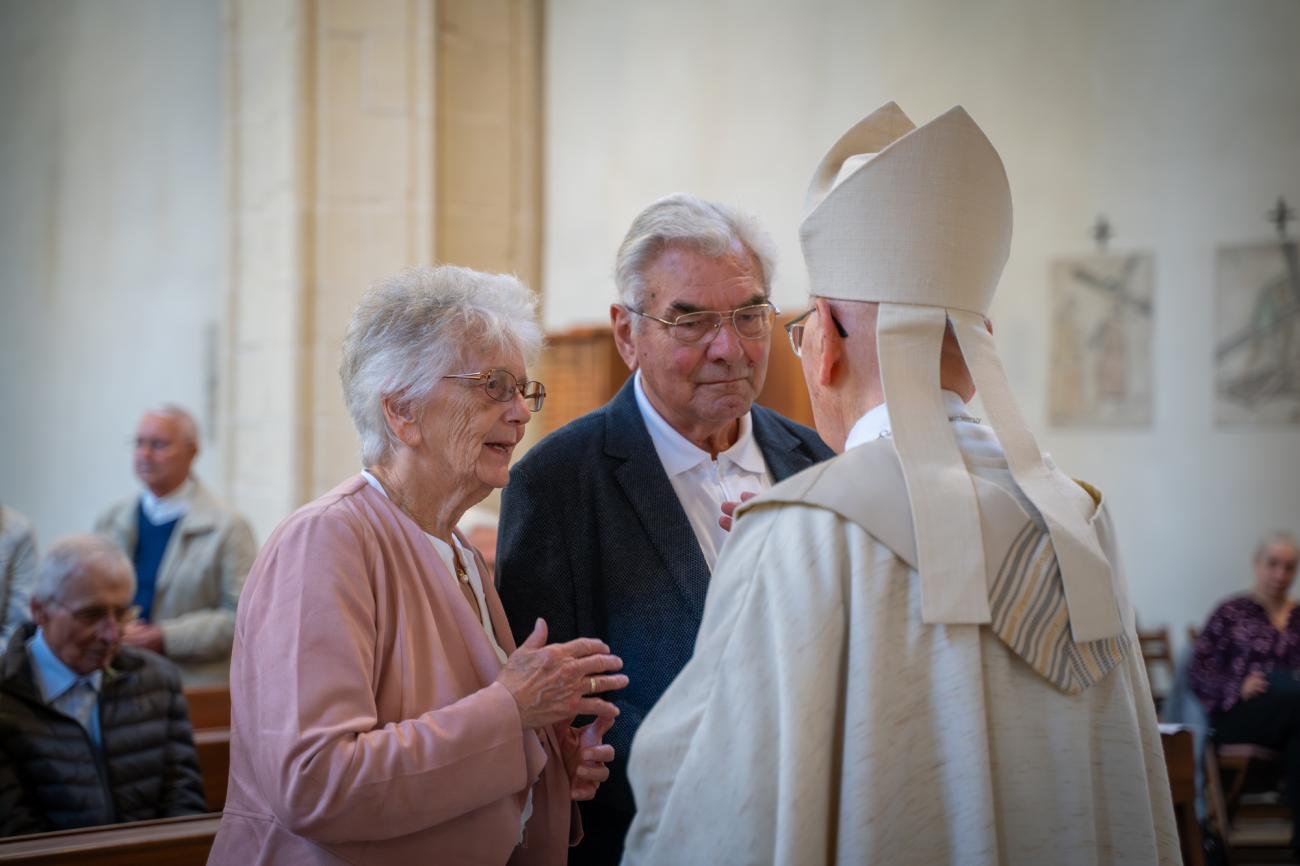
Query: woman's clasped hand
557	682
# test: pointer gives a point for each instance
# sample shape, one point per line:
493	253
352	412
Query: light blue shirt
72	694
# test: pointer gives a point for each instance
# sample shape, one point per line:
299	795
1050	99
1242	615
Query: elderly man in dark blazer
610	526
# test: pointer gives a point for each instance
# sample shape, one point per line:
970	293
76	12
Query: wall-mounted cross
1280	216
1101	232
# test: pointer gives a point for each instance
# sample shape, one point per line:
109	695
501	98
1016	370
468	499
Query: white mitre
919	220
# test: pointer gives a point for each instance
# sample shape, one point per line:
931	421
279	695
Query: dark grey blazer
594	539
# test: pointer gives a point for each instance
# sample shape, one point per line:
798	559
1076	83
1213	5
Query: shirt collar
53	677
165	509
875	423
679	454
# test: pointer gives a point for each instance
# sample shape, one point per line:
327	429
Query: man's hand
557	682
1254	684
145	635
589	771
729	510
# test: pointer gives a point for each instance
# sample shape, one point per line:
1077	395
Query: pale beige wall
112	264
1180	120
331	156
197	193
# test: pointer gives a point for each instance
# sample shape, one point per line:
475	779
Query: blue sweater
150	545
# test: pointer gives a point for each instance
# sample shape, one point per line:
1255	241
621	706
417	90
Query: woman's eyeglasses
501	385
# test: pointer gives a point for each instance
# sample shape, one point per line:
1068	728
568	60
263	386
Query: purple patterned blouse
1238	639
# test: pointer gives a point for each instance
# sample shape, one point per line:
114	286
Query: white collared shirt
979	445
702	483
165	509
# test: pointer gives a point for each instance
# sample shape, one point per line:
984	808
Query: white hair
412	329
73	557
189	428
1280	537
710	228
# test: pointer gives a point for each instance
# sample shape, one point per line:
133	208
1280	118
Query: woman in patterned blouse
1246	669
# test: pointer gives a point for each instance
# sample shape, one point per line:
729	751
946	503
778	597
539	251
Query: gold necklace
461	574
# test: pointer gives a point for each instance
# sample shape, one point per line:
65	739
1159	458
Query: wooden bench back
213	748
209	706
166	842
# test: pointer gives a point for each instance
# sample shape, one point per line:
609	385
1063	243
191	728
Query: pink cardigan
367	727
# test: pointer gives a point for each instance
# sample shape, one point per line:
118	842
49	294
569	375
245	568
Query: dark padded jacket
53	778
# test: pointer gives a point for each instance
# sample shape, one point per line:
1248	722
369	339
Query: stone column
334	151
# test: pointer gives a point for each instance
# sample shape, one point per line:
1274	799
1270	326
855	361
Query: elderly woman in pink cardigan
381	712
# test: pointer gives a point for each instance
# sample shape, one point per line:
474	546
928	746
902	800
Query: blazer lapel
651	497
781	448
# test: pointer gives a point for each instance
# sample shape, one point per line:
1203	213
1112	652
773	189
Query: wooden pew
213	748
209	706
166	842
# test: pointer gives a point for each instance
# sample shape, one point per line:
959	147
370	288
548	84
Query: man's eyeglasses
144	443
753	322
794	330
95	614
501	385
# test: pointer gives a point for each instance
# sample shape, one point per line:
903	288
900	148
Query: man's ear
40	615
620	321
402	418
829	343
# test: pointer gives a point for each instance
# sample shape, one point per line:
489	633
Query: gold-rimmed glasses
752	322
502	385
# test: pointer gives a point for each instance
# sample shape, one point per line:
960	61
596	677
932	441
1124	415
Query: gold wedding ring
593	685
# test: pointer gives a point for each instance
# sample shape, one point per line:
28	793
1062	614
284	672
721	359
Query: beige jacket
199	580
17	571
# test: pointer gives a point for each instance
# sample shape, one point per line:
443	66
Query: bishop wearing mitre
923	650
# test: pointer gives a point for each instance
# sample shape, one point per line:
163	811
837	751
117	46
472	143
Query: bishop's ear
830	345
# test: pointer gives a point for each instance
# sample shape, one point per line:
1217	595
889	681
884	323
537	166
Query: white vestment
819	721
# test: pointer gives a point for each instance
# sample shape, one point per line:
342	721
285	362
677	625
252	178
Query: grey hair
1279	536
74	556
189	427
412	329
707	227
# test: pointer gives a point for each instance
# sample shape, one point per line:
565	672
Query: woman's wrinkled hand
587	764
555	683
1254	684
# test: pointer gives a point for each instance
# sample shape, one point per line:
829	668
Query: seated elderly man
91	732
191	553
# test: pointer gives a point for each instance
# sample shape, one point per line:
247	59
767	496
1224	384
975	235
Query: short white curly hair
412	329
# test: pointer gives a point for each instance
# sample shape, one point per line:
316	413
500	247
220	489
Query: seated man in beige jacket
191	553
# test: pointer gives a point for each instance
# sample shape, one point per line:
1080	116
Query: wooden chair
1246	768
1180	759
1159	658
166	842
